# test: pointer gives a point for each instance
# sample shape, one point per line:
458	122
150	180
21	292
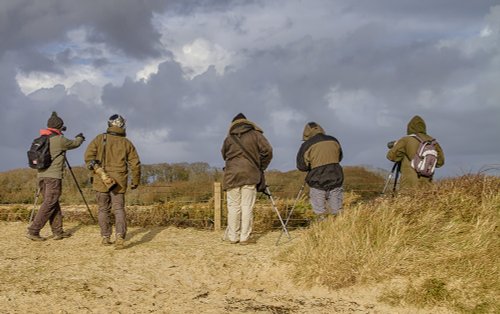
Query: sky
179	71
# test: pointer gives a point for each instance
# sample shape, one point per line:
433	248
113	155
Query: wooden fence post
217	206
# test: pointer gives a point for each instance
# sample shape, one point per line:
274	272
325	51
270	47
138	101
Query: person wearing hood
242	174
320	156
406	147
116	156
50	181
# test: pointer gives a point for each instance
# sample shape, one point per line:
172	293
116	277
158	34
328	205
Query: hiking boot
119	242
35	237
62	235
106	241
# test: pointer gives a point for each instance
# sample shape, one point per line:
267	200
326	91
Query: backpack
39	154
425	159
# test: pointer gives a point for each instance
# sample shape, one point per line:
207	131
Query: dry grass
444	242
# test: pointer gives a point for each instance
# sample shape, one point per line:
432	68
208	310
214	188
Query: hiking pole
78	186
291	210
37	193
283	226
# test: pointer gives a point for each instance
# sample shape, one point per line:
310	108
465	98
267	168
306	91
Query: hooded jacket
320	156
239	170
404	150
118	156
58	147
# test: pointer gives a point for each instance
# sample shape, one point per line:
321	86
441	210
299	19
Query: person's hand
80	135
133	186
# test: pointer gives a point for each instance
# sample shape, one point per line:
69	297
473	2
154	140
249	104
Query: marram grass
445	243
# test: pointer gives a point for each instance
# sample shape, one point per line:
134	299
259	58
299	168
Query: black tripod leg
79	189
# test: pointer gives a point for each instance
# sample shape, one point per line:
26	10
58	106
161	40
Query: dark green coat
404	150
120	159
239	170
59	144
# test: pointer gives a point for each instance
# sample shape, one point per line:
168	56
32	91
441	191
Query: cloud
180	70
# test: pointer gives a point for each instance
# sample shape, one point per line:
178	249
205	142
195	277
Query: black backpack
39	154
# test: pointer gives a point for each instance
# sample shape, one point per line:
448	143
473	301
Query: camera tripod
396	169
37	193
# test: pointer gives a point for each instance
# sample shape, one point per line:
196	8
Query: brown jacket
404	150
239	170
119	158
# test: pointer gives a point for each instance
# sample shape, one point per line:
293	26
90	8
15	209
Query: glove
133	186
80	135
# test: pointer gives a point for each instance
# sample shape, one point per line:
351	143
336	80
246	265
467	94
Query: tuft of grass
444	241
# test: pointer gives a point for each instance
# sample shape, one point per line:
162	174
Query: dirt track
162	270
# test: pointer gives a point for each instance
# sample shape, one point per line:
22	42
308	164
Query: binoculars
109	182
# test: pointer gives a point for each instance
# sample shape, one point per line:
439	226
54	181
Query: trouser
320	198
50	210
105	202
240	202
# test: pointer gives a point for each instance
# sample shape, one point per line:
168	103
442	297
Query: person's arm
134	165
91	152
398	151
302	164
440	159
68	144
265	152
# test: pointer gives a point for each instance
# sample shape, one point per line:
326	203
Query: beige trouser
240	202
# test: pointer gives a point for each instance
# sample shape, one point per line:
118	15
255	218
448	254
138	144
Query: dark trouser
50	210
106	202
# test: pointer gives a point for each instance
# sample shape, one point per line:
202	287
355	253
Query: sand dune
161	270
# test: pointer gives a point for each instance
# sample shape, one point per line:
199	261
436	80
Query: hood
311	129
116	130
416	125
241	126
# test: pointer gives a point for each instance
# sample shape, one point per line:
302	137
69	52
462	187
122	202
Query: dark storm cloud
362	85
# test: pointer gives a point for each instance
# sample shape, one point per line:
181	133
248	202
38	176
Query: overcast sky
179	71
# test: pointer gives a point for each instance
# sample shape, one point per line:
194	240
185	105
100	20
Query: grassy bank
441	244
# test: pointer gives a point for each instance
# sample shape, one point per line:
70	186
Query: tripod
283	224
291	211
396	169
37	194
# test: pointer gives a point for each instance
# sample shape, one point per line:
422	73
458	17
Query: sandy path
162	270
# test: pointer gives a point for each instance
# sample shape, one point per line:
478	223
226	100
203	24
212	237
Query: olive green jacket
117	155
405	148
58	147
239	170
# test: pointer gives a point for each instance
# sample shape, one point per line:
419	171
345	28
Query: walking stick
37	193
291	210
79	189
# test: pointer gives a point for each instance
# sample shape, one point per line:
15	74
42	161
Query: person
405	148
320	156
50	181
241	174
113	153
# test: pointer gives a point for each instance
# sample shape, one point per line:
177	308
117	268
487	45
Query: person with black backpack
418	153
47	155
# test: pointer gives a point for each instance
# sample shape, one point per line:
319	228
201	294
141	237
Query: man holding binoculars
111	156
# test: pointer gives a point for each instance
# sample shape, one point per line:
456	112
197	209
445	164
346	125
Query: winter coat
404	150
120	158
58	147
320	156
239	170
